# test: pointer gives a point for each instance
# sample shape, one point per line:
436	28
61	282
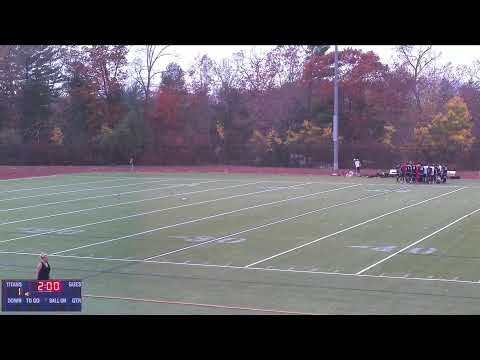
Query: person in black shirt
43	268
444	173
422	173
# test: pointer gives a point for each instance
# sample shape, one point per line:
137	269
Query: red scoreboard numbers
48	286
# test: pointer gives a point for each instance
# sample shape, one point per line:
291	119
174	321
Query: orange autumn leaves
307	134
448	132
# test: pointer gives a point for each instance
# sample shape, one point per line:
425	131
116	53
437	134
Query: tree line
90	104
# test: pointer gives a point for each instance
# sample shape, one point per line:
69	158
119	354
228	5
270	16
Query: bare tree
417	59
4	50
225	78
471	73
291	59
144	69
226	81
201	75
258	72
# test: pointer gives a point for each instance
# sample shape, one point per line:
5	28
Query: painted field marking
80	190
246	179
393	183
39	230
120	204
157	211
243	268
269	224
108	195
171	302
350	228
418	241
202	238
239	180
187	222
63	185
134	215
30	178
391	248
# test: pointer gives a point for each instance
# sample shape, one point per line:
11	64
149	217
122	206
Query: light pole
335	116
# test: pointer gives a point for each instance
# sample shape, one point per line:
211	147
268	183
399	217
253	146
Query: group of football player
421	173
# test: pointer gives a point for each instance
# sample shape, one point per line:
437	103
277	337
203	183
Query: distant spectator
357	166
303	161
43	268
218	151
131	164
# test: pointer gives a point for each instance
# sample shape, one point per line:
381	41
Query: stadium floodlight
335	116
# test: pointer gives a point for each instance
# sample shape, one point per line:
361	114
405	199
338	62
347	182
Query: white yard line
190	221
364	275
172	302
393	183
418	241
312	176
269	224
350	228
108	195
57	186
124	203
270	180
80	190
30	178
149	212
145	190
243	268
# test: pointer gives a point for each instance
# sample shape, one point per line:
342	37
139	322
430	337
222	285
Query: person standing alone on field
357	167
131	164
43	268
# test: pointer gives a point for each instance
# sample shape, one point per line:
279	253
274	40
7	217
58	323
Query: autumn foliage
254	107
449	132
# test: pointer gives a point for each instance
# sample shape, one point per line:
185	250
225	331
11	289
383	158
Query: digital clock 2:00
49	286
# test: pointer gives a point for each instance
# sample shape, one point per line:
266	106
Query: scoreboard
41	295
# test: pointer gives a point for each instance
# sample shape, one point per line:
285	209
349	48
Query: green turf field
191	243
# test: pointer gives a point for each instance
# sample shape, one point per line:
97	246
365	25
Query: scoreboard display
41	295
